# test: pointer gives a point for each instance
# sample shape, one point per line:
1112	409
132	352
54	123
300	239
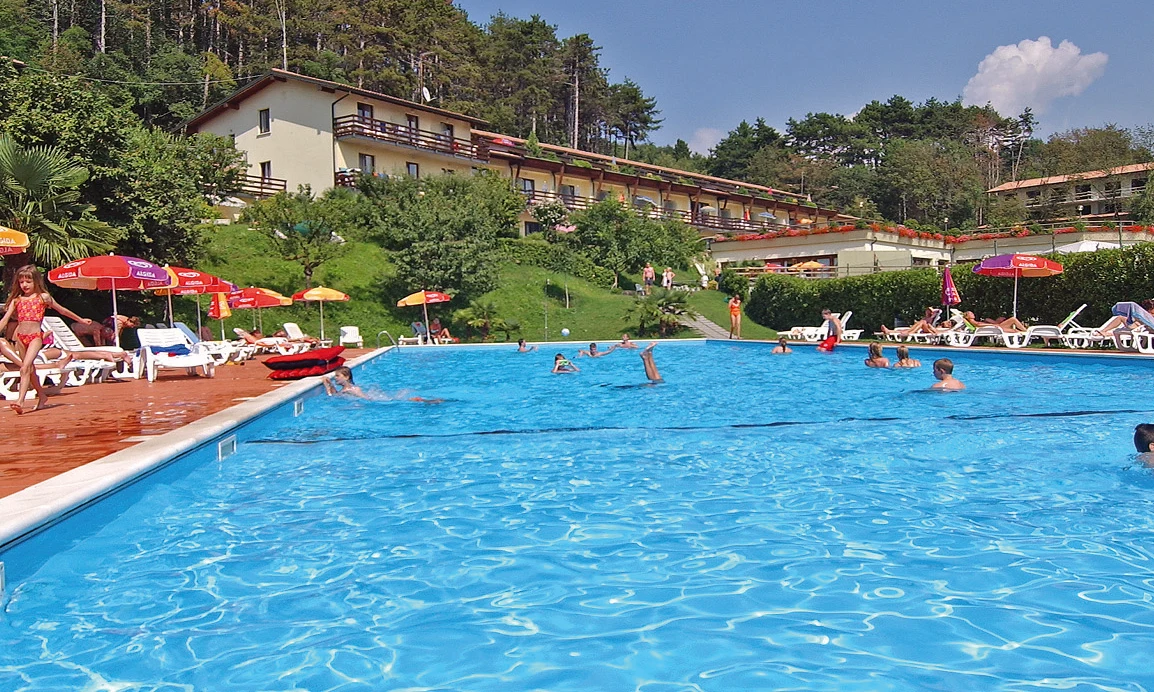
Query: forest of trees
172	57
927	163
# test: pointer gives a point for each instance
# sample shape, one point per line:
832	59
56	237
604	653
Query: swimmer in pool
341	383
594	353
876	359
563	364
1144	443
782	347
523	347
944	371
650	367
904	360
626	342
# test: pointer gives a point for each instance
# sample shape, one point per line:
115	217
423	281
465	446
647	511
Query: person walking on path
735	317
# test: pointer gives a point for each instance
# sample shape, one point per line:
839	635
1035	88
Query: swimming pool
757	522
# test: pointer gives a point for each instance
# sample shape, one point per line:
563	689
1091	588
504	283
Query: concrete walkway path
707	329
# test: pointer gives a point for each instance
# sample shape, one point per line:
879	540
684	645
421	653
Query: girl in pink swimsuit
28	300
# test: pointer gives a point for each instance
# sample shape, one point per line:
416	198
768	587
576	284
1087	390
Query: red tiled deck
82	424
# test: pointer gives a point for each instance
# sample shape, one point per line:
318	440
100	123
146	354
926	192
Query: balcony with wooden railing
476	149
260	187
705	221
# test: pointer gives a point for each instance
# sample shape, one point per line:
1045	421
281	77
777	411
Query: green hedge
557	258
1098	279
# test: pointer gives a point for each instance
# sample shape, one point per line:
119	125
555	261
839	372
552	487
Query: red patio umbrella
253	298
110	273
192	282
1017	266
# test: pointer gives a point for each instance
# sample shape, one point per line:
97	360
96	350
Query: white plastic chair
351	336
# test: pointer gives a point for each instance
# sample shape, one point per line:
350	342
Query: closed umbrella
424	299
321	295
1017	266
110	273
218	310
950	295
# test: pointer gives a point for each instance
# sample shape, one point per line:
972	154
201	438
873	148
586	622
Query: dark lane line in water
686	428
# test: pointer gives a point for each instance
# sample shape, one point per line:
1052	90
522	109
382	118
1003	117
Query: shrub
1098	279
731	283
557	258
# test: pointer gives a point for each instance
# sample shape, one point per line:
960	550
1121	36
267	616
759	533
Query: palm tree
480	315
662	309
39	196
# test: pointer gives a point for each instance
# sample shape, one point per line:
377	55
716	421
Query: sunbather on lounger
919	327
55	357
1009	324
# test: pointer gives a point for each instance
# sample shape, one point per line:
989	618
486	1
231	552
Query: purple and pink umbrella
110	273
1017	266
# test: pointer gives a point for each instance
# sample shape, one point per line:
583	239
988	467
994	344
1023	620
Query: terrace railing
700	220
260	187
403	135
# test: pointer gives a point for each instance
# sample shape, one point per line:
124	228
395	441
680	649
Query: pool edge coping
32	509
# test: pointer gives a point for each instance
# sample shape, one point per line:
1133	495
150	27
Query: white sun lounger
154	361
65	340
1051	331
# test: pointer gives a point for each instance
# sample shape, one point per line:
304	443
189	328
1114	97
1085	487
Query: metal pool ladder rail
386	333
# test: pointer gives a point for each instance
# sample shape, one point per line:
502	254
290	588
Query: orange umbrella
424	298
321	295
12	242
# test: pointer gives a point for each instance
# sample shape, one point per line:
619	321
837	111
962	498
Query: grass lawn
713	306
246	258
594	313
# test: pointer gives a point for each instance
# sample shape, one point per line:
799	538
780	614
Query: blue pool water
756	522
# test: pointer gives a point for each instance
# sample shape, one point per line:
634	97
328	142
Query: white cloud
704	139
1032	73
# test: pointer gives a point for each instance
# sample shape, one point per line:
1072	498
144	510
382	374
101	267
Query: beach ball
565	332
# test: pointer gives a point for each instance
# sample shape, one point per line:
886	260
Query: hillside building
1086	195
297	130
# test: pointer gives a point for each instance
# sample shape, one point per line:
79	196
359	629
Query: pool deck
83	424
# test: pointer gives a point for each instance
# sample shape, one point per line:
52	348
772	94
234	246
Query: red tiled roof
1087	175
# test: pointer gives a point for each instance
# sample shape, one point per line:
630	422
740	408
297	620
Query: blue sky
712	64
